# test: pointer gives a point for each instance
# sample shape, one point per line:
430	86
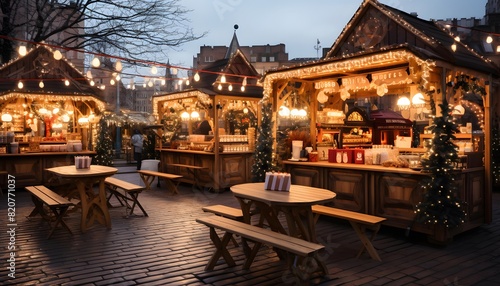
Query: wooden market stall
226	96
355	97
48	111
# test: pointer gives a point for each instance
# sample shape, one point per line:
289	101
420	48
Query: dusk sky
297	24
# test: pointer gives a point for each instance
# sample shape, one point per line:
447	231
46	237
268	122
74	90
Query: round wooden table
295	205
94	206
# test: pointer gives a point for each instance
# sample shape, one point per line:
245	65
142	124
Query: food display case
364	128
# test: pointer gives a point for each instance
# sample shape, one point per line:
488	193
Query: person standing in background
137	141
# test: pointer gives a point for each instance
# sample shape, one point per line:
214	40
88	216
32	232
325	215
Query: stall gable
375	26
39	66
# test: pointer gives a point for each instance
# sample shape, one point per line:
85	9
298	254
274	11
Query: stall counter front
390	192
29	168
222	171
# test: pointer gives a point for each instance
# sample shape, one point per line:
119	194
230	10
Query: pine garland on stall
104	145
495	152
440	204
264	145
149	146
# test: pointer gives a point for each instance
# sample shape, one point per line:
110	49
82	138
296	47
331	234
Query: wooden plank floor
170	248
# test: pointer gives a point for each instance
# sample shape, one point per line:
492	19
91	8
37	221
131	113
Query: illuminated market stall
48	111
371	102
211	125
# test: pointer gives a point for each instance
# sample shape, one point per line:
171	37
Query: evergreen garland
149	146
495	152
264	146
104	145
440	204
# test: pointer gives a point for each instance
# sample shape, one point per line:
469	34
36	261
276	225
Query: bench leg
59	213
147	180
172	186
135	199
221	249
113	192
367	242
251	255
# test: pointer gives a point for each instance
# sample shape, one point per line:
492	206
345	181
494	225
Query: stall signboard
392	76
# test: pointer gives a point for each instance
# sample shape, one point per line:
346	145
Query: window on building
271	59
253	59
263	59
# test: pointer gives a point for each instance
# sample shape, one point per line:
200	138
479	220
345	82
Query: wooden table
94	206
295	205
194	171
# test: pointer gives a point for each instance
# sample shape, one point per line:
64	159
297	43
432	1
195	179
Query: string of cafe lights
118	68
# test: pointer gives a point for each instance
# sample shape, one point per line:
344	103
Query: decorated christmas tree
495	153
264	146
440	205
104	145
149	146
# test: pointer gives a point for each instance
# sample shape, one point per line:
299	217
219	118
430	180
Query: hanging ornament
322	97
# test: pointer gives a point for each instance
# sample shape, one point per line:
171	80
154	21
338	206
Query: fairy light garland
420	70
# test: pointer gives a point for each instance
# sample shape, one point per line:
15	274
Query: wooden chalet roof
39	65
235	69
378	28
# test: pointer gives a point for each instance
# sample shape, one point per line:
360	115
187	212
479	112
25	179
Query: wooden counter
390	192
29	168
224	169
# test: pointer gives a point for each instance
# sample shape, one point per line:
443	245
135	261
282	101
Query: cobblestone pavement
170	248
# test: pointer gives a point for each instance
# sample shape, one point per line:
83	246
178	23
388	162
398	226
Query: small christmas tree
149	146
440	205
495	153
264	147
104	145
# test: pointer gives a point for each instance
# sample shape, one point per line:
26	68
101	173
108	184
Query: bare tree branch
135	29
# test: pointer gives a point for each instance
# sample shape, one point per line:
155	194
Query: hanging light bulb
112	82
96	62
223	79
163	81
66	82
489	40
230	87
457	38
195	115
20	85
118	65
22	51
57	55
118	77
187	81
244	83
92	83
403	103
89	74
197	77
242	88
454	47
185	115
219	87
150	83
154	70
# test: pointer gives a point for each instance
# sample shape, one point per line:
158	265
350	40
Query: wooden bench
192	170
359	222
225	211
121	189
292	245
58	205
171	180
